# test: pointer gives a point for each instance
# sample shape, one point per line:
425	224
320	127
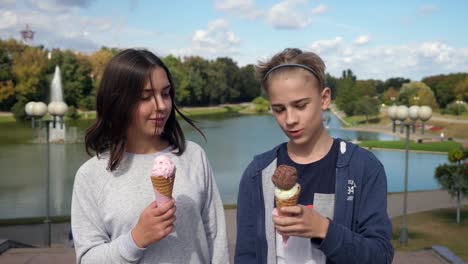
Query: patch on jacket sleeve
351	186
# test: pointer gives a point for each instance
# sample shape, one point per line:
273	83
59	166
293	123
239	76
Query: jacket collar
346	150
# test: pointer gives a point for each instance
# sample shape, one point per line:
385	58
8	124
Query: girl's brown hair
118	95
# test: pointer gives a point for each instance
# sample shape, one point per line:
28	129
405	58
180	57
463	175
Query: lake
233	140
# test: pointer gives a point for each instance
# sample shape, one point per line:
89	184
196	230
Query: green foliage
444	146
346	95
367	106
445	87
395	83
453	178
88	103
388	95
249	86
18	111
456	155
76	78
456	108
29	68
261	105
72	113
417	93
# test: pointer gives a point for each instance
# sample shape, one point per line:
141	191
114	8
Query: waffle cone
163	185
280	203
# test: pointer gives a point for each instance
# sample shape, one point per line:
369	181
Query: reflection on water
232	143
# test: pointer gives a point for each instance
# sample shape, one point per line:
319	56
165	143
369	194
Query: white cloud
57	6
243	8
288	15
214	41
362	40
428	9
326	45
413	61
7	19
320	10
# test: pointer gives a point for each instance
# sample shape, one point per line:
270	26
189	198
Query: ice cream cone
280	203
163	185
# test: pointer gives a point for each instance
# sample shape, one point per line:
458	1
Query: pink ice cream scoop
162	178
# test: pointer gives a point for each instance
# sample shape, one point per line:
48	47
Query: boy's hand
302	222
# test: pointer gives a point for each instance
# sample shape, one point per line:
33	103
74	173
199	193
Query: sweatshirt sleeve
370	243
214	219
92	242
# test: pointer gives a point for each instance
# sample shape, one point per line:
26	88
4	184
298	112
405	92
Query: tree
366	88
417	93
249	86
180	78
29	68
99	60
76	77
7	92
216	86
196	68
390	96
367	106
444	87
454	177
231	75
461	90
346	96
396	83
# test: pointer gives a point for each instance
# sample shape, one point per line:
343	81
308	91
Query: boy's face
297	105
154	107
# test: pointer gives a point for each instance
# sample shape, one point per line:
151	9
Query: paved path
34	234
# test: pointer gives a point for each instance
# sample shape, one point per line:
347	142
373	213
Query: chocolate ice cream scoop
285	177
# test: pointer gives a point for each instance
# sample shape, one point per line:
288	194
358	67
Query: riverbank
453	128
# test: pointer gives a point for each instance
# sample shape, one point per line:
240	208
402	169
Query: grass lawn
436	227
33	220
6	119
429	146
361	120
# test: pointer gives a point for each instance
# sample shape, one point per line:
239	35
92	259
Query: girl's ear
326	98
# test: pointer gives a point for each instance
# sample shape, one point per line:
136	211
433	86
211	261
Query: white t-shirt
298	250
302	250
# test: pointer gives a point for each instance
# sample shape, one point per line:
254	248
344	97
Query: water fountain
57	131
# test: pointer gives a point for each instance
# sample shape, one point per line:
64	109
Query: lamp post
401	113
459	103
37	110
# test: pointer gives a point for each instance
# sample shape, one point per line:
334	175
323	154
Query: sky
376	39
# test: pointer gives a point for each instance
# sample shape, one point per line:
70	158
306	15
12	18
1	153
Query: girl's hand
301	221
155	223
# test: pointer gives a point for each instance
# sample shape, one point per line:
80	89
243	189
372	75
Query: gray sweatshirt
107	205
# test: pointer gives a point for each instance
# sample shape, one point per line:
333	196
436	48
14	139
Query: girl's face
297	105
153	108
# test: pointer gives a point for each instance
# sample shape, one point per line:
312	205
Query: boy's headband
314	72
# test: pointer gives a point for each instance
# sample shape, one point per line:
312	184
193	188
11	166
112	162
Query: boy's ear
326	98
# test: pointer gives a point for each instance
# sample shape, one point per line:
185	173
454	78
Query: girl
114	216
342	216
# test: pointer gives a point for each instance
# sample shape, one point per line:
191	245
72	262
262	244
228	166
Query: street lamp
459	103
37	110
401	113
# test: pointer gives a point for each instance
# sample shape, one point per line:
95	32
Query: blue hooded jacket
360	231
